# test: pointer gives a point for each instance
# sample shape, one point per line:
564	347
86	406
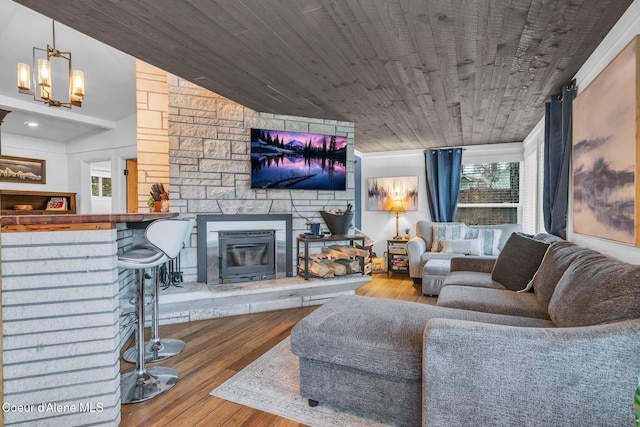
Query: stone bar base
60	328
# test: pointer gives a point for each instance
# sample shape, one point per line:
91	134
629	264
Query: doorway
131	173
101	187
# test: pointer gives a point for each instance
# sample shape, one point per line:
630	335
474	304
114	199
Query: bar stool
157	349
165	239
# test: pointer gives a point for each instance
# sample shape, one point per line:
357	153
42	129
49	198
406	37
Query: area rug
270	384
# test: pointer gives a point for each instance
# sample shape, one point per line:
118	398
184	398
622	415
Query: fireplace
247	255
240	248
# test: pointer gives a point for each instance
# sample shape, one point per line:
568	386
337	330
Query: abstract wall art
382	191
605	151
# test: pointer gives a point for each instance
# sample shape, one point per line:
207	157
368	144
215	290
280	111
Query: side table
397	257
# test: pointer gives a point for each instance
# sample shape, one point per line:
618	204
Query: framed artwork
382	191
21	169
605	152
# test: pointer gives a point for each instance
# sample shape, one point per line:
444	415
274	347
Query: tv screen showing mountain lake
295	160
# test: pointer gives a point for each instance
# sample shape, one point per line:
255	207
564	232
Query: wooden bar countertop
15	223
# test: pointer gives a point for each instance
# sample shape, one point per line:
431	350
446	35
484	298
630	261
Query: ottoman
364	355
433	274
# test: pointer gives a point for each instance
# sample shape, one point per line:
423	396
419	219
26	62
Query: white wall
115	145
380	225
67	164
52	152
625	29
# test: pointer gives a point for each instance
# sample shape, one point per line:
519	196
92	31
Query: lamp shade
397	207
24	77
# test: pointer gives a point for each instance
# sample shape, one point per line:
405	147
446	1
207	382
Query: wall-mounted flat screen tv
301	161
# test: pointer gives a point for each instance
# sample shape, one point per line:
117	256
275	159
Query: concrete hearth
198	301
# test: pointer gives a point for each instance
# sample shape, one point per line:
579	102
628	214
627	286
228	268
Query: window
489	193
100	186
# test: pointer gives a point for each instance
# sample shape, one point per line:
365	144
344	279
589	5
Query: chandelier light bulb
44	72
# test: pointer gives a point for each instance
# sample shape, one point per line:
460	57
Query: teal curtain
443	169
557	158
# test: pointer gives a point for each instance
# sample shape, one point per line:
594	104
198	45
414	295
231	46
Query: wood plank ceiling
411	74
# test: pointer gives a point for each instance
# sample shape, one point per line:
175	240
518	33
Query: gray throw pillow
596	289
518	261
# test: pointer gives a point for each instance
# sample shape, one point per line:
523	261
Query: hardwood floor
219	348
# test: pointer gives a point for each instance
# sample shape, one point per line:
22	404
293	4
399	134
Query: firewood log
319	269
337	268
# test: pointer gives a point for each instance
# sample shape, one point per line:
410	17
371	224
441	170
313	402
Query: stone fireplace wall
209	162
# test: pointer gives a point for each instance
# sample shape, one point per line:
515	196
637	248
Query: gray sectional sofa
564	352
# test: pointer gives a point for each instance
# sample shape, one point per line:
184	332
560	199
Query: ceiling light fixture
44	80
32	124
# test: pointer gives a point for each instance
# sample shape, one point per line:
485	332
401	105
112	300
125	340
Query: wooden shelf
37	199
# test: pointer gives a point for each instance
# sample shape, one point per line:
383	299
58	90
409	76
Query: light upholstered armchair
421	248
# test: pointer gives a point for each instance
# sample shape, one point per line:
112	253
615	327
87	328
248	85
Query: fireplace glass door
247	255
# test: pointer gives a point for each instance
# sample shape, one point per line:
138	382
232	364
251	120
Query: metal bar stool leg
144	383
160	349
156	349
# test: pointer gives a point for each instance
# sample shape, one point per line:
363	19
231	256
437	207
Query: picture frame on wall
605	151
381	192
22	169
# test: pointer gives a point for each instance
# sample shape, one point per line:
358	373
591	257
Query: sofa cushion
465	247
486	300
556	260
490	237
506	230
446	231
596	289
434	255
518	261
471	278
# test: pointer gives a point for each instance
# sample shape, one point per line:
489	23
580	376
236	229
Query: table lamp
397	208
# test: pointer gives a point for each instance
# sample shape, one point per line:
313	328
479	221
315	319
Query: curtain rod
445	148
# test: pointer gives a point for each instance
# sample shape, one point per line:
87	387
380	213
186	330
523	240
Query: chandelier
41	75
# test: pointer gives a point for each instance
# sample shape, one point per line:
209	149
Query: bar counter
61	314
10	223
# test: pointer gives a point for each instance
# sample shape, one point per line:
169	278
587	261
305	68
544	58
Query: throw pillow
490	238
466	247
518	261
596	289
447	231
